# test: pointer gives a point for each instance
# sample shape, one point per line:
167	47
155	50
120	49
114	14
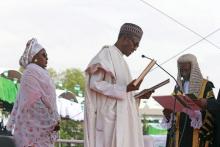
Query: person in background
111	117
34	119
193	128
213	105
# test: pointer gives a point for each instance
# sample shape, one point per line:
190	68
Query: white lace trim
195	116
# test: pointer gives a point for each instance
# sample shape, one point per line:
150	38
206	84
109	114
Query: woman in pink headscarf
34	119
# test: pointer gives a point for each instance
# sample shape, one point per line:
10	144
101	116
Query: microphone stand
173	124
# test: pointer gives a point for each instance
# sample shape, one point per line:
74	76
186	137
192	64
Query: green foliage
71	77
70	129
68	79
53	74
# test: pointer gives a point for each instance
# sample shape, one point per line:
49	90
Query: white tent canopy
69	109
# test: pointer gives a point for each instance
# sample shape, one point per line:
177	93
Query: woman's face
41	58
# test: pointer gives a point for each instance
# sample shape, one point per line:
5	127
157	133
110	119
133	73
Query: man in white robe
111	116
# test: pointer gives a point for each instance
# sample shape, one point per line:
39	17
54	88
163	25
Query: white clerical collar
186	87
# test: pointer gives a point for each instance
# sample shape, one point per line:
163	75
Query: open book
182	101
152	88
144	72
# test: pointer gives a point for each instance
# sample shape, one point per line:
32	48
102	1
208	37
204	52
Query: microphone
178	87
173	123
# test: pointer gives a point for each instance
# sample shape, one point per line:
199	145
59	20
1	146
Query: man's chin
128	54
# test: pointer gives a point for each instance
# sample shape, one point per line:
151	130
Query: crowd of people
111	108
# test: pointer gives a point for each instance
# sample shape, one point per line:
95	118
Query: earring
35	60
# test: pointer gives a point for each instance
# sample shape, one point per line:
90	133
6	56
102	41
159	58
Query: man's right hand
131	87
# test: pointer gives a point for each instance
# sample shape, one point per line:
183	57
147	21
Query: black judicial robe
187	136
214	107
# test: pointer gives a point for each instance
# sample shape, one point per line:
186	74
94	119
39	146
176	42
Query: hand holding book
146	93
144	73
132	87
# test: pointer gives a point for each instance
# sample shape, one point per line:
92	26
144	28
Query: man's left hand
146	95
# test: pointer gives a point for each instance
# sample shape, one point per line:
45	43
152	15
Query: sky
73	31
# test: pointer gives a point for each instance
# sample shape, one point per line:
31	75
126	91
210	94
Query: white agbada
111	116
34	113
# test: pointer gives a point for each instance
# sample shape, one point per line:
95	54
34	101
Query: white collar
186	87
118	50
